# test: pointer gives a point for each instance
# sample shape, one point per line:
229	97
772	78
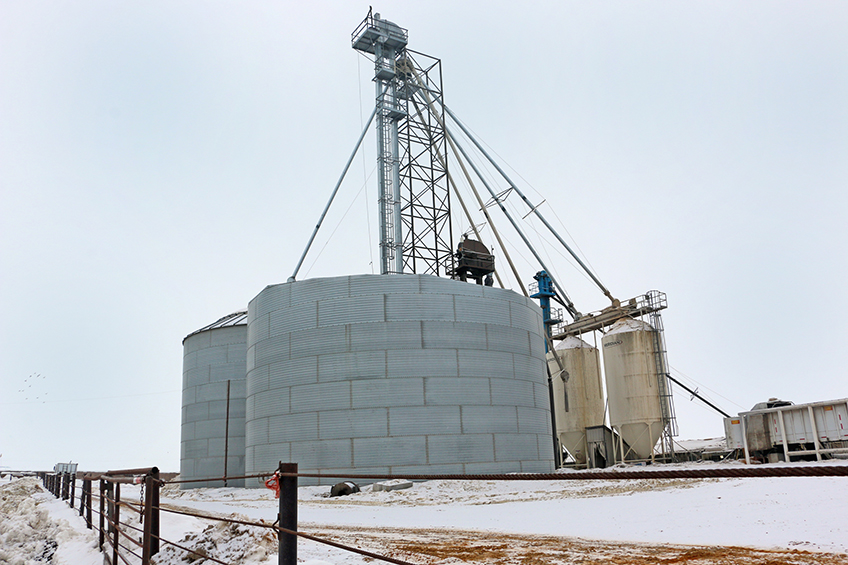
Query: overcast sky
162	162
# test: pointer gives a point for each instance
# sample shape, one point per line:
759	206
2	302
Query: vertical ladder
657	301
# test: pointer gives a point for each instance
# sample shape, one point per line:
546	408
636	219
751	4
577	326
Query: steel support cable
179	546
534	209
292	532
483	209
341	220
570	306
741	473
253	476
553	209
452	184
335	191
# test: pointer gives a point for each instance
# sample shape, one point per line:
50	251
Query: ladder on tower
657	301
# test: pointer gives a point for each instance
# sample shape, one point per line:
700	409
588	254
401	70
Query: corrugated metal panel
534	421
237	354
382	284
259	328
356	365
530	368
293	427
293	372
419	307
515	447
272	350
209	428
356	310
379	393
457	390
429	420
299	317
322	453
422	363
527	316
257	380
512	393
490	363
453	335
227	336
489	419
212	356
321	396
513	340
455	469
387	336
313	290
195	412
271	403
310	343
195	342
271	299
436	285
469	448
256	431
407	450
228	372
366	422
482	310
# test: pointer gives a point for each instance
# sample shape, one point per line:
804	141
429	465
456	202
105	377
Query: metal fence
120	541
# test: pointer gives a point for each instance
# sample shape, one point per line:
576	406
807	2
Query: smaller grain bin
213	407
631	375
578	394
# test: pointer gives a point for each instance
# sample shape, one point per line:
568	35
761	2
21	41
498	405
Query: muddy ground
441	547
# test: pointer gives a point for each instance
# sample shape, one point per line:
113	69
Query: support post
116	520
287	516
102	536
154	518
73	481
88	504
148	519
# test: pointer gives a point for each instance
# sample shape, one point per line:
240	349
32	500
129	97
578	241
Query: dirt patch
443	547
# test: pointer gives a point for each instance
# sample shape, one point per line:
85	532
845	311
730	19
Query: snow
784	514
572	342
626	325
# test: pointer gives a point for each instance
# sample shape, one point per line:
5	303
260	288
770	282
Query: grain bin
578	394
214	359
632	388
396	374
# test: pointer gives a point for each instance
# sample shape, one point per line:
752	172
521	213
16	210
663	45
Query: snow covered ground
780	520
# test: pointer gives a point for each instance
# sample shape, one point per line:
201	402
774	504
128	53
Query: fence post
65	484
150	539
88	503
287	517
116	520
73	480
154	519
102	512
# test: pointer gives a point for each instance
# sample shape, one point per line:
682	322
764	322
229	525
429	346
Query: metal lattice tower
415	227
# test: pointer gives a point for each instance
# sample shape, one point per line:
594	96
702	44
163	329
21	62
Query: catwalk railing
113	530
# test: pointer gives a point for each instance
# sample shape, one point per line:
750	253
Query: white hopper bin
578	394
631	375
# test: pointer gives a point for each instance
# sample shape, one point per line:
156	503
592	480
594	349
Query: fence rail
111	529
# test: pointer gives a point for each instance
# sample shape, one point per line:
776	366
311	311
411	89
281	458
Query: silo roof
629	325
238	318
572	342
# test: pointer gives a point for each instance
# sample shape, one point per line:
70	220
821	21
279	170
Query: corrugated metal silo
396	374
578	394
214	359
631	375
